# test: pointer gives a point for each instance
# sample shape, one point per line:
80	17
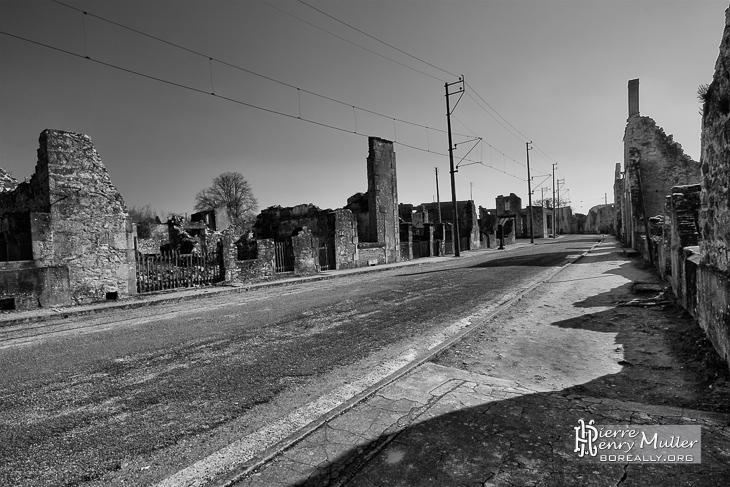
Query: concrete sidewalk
445	426
13	318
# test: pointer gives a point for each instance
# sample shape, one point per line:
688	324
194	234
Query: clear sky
556	71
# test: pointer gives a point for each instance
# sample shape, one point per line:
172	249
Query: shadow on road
529	439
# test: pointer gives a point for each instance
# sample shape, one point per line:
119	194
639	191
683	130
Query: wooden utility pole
554	206
529	192
438	197
452	170
560	181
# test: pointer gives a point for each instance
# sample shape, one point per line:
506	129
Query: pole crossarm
478	140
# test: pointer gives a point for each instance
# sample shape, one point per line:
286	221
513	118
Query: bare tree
232	191
548	202
145	218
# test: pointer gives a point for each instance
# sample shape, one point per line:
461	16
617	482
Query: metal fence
284	256
171	270
327	256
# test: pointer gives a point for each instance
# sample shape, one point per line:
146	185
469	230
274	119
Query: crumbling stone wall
469	229
371	253
262	268
653	164
358	205
7	181
618	202
306	253
345	239
30	287
159	237
714	218
384	225
509	205
282	223
683	213
539	222
563	219
78	218
600	219
337	228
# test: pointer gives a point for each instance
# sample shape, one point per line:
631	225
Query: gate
417	254
420	249
405	249
284	256
172	270
327	260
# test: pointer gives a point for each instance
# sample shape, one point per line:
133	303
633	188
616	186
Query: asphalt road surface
133	397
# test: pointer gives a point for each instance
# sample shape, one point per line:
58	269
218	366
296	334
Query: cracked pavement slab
499	408
472	429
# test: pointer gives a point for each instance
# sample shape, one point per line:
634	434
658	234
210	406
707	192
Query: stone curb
202	293
232	477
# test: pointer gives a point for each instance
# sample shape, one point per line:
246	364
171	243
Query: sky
286	92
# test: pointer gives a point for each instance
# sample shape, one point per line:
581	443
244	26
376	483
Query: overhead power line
349	41
232	100
212	93
511	129
245	70
376	39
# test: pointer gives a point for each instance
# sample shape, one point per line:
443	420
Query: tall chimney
633	97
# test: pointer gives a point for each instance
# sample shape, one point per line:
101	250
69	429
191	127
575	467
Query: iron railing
171	270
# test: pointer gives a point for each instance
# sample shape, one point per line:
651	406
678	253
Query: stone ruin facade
65	236
676	212
365	232
516	220
601	219
376	210
653	164
713	280
331	233
7	181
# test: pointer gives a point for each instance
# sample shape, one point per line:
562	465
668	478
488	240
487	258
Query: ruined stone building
64	234
334	232
712	295
365	232
468	221
7	181
653	164
601	219
510	208
676	212
383	224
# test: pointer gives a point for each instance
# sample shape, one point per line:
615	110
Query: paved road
140	395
